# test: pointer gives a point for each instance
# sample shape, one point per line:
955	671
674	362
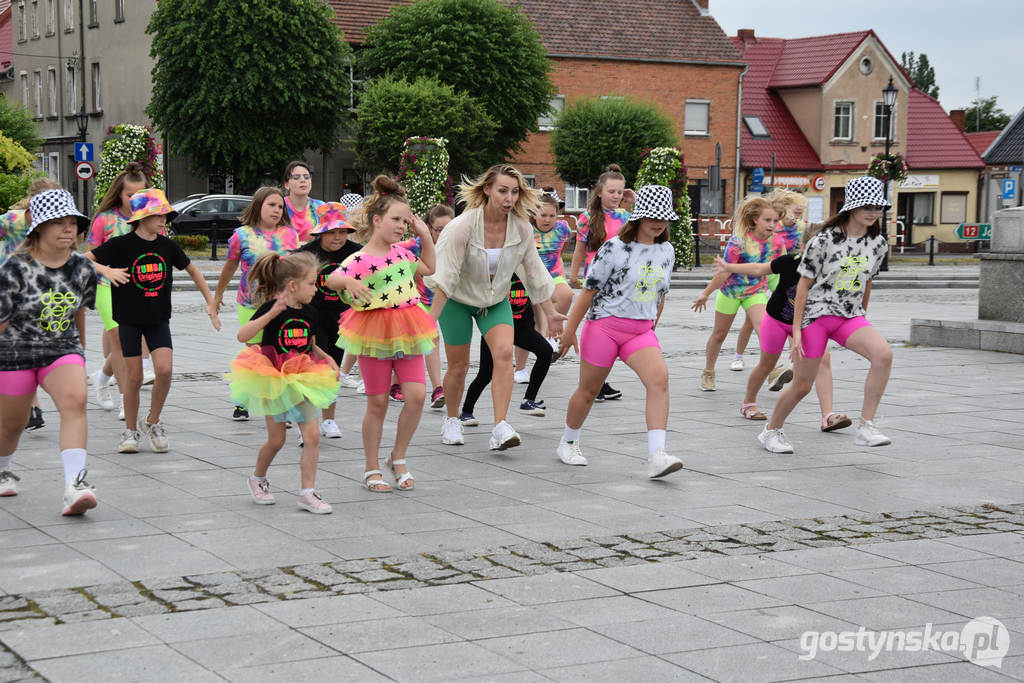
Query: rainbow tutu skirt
387	332
271	384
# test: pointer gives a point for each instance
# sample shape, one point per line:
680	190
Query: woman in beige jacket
476	255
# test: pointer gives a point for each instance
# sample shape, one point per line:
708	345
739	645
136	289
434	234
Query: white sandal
400	478
371	484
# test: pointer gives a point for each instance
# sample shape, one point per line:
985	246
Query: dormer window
756	126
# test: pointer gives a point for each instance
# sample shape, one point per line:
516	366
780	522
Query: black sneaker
240	414
607	393
35	420
535	408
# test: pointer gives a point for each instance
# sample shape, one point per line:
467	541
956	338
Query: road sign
818	183
1009	188
757	176
84	170
1017	169
974	231
83	151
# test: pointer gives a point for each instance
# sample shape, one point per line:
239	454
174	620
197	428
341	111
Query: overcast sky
963	39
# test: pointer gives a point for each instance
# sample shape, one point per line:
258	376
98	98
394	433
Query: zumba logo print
646	288
849	269
58	310
148	272
294	336
321	282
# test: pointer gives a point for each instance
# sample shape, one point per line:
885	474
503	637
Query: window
71	76
37	83
118	11
94	14
35	18
547	121
576	198
50	17
842	121
924	208
531	180
756	126
69	16
24	89
953	207
696	122
96	87
22	31
880	123
51	89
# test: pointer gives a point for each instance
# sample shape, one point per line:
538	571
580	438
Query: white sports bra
492	259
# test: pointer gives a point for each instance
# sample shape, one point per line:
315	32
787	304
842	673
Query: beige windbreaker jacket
461	271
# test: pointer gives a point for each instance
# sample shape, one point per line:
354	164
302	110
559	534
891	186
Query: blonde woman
476	255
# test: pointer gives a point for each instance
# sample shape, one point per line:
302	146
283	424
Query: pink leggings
816	335
25	382
376	372
605	339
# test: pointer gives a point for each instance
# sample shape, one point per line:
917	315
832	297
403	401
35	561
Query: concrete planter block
1008	231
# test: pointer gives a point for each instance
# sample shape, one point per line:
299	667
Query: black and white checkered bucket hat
351	200
654	201
864	191
51	204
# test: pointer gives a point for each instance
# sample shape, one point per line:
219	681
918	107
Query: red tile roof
812	61
592	28
792	150
980	141
933	140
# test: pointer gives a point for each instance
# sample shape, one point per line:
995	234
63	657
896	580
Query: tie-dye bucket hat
151	202
331	216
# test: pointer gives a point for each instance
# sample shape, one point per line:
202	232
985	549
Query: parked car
204	213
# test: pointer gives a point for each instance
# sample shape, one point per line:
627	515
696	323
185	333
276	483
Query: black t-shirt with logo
780	305
326	300
293	330
518	298
146	298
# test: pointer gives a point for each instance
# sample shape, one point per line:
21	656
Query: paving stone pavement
515	567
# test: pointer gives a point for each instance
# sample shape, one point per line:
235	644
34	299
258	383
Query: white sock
103	377
655	440
145	363
737	355
255	478
5	461
570	435
74	462
303	492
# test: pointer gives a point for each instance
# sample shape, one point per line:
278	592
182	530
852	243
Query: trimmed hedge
193	242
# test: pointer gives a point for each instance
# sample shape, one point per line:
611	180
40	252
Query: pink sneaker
396	393
314	503
259	489
437	398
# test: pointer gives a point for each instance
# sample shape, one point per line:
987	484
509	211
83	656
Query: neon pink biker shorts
25	382
605	339
376	372
816	335
773	335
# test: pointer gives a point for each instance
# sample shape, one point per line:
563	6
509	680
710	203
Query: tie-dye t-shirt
416	248
248	243
630	279
750	250
106	226
306	221
550	245
40	304
791	234
392	278
841	268
13	229
613	222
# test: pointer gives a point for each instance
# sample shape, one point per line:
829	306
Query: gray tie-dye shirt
40	304
841	267
631	279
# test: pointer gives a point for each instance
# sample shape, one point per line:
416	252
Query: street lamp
889	93
82	121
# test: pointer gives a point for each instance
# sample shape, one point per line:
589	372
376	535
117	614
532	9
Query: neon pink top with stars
391	278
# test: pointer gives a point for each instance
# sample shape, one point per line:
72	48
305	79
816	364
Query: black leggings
525	337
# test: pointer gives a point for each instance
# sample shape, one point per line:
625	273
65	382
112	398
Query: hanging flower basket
888	168
667	166
423	171
124	143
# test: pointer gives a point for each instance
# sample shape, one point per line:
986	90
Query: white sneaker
554	343
148	375
361	387
78	497
8	483
157	436
503	437
868	434
120	413
349	381
736	364
102	390
330	430
774	440
129	442
661	463
570	453
521	377
451	432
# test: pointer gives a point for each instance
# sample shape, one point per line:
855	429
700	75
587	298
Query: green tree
592	133
920	71
479	47
986	115
15	171
393	109
17	124
242	87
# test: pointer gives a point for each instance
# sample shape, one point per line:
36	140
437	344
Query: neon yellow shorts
245	315
727	305
560	279
105	307
773	281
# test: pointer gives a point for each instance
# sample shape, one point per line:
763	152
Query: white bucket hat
654	201
864	191
51	204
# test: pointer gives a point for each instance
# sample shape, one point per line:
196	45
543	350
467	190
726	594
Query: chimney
959	117
745	34
702	5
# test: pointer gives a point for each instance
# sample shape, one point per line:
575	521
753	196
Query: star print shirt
248	243
613	222
631	279
416	248
13	229
326	300
750	250
841	268
146	298
391	278
550	245
40	304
